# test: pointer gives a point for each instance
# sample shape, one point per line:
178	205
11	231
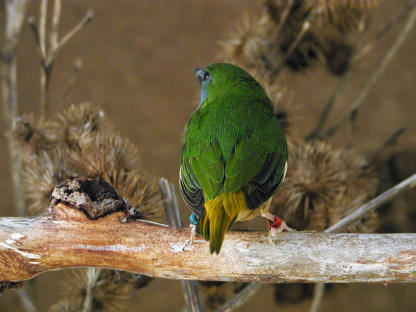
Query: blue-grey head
203	77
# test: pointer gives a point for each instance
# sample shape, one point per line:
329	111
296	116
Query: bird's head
223	79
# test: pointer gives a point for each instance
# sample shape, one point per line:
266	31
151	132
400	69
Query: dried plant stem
83	22
15	15
76	68
92	278
53	39
374	77
315	133
383	198
239	299
48	55
318	294
383	30
284	16
390	141
43	16
173	213
305	27
26	301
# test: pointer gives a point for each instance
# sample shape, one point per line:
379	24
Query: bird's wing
201	170
256	169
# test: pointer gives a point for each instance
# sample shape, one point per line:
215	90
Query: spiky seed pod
116	161
41	173
80	142
322	185
32	137
296	33
101	288
103	153
80	122
69	304
253	46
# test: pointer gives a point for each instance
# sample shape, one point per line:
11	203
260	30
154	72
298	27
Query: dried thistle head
295	33
253	46
116	161
32	137
41	173
80	142
322	185
68	304
80	122
107	292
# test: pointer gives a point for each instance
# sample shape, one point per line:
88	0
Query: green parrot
234	154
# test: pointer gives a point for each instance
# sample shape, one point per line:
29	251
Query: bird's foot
193	233
277	226
193	222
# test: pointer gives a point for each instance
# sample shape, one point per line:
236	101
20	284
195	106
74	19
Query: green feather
227	139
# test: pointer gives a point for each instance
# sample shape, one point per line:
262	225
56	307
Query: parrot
234	154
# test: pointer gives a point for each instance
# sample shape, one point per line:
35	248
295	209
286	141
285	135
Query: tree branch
67	238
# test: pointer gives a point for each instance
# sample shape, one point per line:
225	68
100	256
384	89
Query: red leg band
276	223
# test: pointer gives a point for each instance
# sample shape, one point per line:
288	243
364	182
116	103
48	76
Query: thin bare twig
43	15
305	27
26	301
239	299
15	15
318	294
173	214
383	30
48	55
380	200
53	39
284	16
390	141
76	68
85	20
315	133
92	278
374	77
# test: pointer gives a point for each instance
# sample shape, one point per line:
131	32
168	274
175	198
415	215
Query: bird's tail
220	213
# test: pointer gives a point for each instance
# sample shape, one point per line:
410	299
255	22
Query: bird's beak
199	73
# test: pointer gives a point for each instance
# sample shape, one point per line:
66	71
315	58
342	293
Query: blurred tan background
138	60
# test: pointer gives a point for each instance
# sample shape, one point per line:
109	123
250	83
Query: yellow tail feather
220	213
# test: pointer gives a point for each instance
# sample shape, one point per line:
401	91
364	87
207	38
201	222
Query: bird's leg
193	221
276	225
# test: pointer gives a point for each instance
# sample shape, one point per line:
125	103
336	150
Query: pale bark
29	246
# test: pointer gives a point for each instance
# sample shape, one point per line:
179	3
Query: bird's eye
206	76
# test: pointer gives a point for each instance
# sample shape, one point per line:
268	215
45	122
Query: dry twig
15	15
48	55
374	77
173	214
